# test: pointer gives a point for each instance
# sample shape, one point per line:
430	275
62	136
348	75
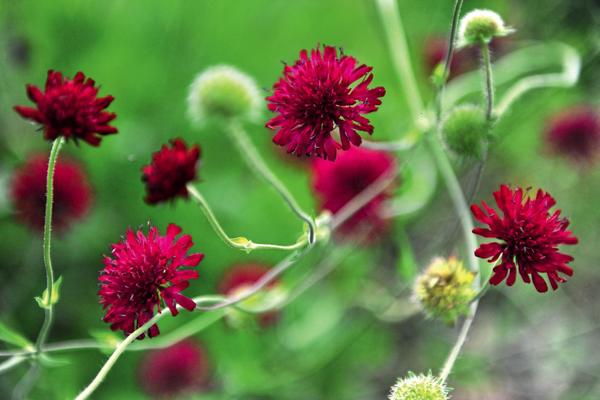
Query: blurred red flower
575	134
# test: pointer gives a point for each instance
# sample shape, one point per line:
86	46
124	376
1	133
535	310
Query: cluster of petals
575	134
143	273
321	95
528	237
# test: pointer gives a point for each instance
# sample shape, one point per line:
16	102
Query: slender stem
240	243
486	65
11	363
257	164
398	47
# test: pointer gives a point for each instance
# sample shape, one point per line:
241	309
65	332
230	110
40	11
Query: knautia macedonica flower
335	184
146	273
434	54
240	278
223	91
72	193
575	134
444	289
481	26
171	169
529	236
324	94
466	131
419	387
70	108
174	371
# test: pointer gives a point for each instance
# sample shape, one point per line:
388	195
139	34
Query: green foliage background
330	343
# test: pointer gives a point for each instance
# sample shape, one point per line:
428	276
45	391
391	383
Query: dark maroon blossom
170	170
529	238
72	193
335	184
241	277
320	93
145	273
70	108
575	134
176	370
434	54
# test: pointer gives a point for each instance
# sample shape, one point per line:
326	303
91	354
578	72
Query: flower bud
466	131
481	26
223	92
419	387
445	289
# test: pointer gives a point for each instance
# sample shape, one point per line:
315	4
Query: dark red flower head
320	93
178	369
170	170
72	193
529	238
575	134
335	184
145	273
241	277
70	108
434	53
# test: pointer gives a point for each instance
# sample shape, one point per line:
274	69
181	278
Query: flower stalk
486	65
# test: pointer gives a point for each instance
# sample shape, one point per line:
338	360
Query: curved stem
486	65
240	243
11	363
257	164
398	47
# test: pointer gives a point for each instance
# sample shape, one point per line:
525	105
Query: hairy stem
486	65
256	163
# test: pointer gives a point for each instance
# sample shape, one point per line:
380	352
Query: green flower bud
466	131
481	26
223	92
445	289
419	387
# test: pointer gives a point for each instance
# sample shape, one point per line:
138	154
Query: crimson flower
170	171
72	193
529	238
434	53
241	277
335	184
575	134
70	108
320	93
145	273
175	370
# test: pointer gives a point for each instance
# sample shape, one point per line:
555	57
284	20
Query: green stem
48	311
398	47
486	65
240	243
256	163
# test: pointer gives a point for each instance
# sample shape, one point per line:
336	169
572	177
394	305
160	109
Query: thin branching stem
486	66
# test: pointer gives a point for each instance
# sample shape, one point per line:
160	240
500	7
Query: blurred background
348	336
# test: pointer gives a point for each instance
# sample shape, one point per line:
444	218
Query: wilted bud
445	290
419	387
223	92
481	26
466	131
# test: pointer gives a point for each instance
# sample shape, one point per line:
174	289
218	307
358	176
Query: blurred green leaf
9	335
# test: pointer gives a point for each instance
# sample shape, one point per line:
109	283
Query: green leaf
407	264
106	338
8	335
52	362
43	301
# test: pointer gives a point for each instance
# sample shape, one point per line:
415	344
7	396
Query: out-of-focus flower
481	26
335	184
529	237
70	108
72	193
223	91
466	131
175	370
445	290
323	94
145	272
170	170
419	387
575	134
434	54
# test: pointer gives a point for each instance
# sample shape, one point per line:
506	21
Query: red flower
575	134
318	94
529	238
434	53
170	171
337	183
70	108
242	277
72	193
175	370
144	273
